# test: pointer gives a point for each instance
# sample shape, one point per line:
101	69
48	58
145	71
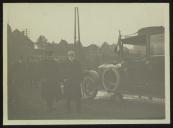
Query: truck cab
144	57
139	66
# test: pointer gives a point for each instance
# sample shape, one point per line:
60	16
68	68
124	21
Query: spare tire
89	84
110	79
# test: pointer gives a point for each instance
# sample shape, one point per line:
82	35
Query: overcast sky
98	22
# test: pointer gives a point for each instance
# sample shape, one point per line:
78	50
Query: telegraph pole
77	40
26	33
76	26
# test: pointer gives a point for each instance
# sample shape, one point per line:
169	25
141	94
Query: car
139	66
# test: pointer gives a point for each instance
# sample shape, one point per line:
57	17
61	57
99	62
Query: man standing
72	80
50	77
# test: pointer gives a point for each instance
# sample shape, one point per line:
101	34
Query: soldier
72	80
50	77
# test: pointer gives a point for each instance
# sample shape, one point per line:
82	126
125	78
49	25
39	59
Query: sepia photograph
86	63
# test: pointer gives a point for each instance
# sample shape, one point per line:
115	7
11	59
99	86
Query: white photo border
78	122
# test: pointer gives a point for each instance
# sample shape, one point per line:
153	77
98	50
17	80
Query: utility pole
26	33
77	42
76	26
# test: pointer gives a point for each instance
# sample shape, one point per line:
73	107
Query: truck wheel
89	87
110	79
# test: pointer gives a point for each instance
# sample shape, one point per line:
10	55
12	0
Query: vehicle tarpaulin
136	40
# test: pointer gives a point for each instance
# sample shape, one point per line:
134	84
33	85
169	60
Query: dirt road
103	107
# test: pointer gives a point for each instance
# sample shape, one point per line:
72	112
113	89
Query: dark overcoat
50	76
73	77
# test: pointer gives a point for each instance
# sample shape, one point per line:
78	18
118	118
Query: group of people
61	79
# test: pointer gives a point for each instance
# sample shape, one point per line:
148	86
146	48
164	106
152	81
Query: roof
151	30
140	38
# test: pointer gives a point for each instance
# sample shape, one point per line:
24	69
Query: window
157	44
134	51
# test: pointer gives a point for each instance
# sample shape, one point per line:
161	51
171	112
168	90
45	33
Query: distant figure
72	80
50	77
